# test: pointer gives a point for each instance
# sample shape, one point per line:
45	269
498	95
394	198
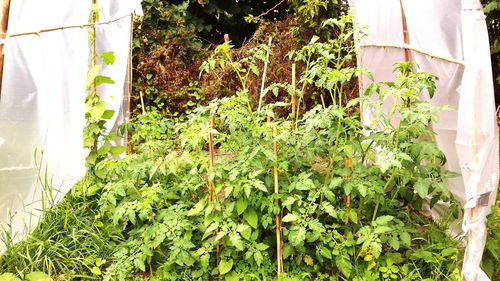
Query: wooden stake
4	23
277	218
93	52
405	31
93	57
294	95
129	85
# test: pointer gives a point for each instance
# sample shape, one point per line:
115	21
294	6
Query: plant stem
294	98
378	201
212	197
277	217
264	73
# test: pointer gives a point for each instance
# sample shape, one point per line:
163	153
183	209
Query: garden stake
212	197
405	31
4	22
93	52
93	57
129	86
277	218
294	98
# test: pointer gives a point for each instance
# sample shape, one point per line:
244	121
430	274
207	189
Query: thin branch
270	10
67	27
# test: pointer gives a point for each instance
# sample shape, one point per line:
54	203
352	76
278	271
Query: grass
66	243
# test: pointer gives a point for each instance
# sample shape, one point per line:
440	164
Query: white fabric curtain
42	101
447	38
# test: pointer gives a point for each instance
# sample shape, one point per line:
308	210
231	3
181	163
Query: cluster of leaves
311	14
327	64
491	255
96	115
347	197
492	11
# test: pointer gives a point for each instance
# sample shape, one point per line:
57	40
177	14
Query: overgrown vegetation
348	200
205	191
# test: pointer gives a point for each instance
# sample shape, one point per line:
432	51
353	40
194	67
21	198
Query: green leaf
405	238
99	262
108	114
325	252
394	243
298	236
242	227
92	74
117	150
335	182
236	241
422	187
344	265
9	277
247	233
197	208
233	276
259	185
225	266
38	276
288	202
96	271
362	189
97	111
290	218
330	210
353	216
257	256
99	80
108	58
251	218
308	260
103	150
376	247
383	220
241	205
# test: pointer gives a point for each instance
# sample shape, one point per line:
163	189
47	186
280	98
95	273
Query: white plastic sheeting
447	38
43	96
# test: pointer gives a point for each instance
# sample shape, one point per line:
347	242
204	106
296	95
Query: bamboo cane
294	96
93	52
93	57
4	23
277	219
405	31
129	84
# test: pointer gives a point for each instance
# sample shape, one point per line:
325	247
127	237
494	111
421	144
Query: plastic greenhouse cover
447	38
43	96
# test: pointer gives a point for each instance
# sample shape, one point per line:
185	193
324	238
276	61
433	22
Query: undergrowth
347	203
